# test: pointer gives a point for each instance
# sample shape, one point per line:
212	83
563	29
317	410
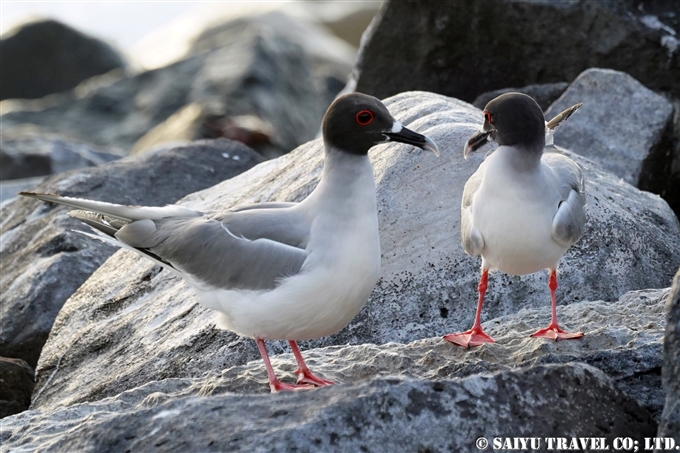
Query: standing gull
523	208
276	271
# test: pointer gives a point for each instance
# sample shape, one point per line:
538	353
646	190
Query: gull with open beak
523	208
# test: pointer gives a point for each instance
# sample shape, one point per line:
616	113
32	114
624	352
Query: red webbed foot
553	332
278	386
306	377
471	338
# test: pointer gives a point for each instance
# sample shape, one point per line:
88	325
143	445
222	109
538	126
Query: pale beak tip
466	150
432	146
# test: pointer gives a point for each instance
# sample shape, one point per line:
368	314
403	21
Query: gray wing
570	219
209	252
473	242
205	247
287	223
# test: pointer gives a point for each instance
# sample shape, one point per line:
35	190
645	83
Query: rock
672	192
26	153
641	121
670	419
44	262
463	49
155	329
347	20
16	386
10	188
46	56
544	94
245	68
384	414
195	121
623	339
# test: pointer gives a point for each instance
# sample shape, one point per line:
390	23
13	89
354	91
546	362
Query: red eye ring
364	117
488	117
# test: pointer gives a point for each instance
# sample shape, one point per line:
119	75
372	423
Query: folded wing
251	248
570	219
472	239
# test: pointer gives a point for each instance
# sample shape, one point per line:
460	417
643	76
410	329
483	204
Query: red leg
474	336
304	375
274	383
553	331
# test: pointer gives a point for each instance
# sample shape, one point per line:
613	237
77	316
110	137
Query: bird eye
364	117
488	117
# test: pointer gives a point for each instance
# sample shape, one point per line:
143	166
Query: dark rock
16	386
142	325
639	147
671	193
544	94
464	48
26	153
44	262
44	57
240	69
386	414
670	419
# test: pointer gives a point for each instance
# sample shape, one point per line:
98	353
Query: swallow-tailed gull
276	271
523	208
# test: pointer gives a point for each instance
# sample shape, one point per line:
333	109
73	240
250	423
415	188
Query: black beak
400	134
475	142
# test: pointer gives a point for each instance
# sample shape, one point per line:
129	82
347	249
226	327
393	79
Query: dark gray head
356	122
511	119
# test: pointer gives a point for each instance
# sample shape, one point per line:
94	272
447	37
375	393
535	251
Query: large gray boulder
641	122
46	56
463	49
155	328
44	262
386	414
244	68
670	419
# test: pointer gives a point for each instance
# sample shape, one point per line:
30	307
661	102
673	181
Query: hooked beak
400	134
475	142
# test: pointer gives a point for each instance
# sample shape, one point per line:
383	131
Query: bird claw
471	338
306	377
553	332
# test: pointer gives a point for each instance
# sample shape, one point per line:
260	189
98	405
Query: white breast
513	210
336	279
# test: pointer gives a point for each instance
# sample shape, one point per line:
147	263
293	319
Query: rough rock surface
623	339
155	328
384	414
46	56
252	70
544	94
27	153
672	193
16	386
638	148
670	419
43	262
462	49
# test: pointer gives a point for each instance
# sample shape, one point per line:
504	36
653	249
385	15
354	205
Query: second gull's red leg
474	336
553	331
